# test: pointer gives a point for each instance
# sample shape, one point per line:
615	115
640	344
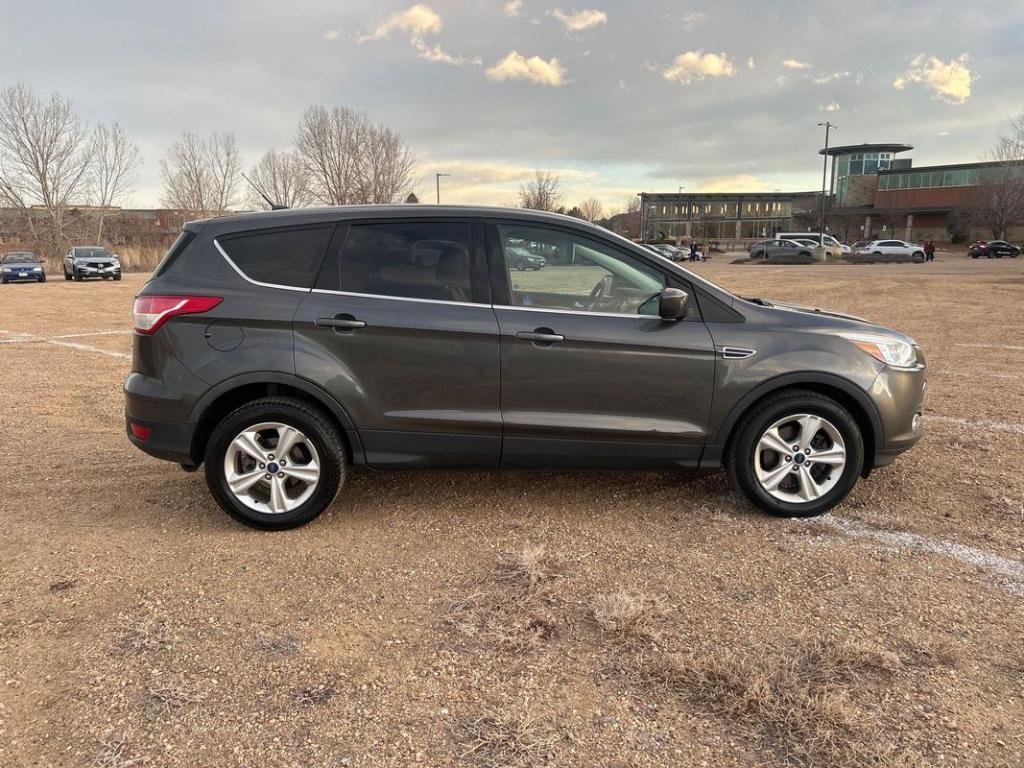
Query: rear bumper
166	440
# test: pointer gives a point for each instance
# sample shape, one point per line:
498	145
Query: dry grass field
519	619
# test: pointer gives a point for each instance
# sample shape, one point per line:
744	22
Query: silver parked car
769	248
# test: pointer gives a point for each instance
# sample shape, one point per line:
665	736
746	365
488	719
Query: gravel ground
484	619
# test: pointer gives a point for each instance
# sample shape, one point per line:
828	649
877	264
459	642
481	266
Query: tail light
153	311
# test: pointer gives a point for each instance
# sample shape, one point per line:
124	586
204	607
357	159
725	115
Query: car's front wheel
796	454
76	275
275	463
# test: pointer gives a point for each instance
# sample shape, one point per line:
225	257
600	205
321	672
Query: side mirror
672	304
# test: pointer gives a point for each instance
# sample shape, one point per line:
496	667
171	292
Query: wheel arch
232	393
843	391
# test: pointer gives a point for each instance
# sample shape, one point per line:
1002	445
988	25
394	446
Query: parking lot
518	619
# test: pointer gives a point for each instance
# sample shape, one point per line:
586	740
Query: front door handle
340	323
540	336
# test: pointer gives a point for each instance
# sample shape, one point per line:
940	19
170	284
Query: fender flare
796	379
306	386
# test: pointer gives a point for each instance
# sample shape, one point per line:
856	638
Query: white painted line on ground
21	338
991	346
1009	574
56	341
87	348
999	426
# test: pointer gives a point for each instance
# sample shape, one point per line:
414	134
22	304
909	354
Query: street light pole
437	180
824	174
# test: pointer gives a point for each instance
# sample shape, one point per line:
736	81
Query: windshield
92	253
20	258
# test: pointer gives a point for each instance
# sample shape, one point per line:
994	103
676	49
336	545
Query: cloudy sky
614	96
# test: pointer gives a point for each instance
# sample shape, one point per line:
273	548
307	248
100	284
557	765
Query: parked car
993	249
859	244
670	252
18	266
769	248
84	261
893	248
832	249
523	260
844	248
279	349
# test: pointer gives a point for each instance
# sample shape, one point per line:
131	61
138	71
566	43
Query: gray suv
280	349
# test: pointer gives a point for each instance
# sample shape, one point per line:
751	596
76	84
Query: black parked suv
993	249
281	348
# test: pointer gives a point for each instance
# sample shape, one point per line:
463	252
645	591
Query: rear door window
408	259
287	257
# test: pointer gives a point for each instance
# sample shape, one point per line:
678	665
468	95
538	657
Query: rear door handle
541	335
341	322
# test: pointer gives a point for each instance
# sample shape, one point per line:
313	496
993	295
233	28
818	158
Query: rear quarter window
288	257
183	241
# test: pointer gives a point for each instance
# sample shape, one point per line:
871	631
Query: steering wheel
602	290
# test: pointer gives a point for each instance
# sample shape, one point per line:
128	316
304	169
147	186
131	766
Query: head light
885	349
5	270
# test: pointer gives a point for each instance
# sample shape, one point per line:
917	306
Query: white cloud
331	35
688	19
515	66
832	106
794	64
693	66
743	182
831	77
750	63
576	21
438	54
512	7
949	80
416	21
943	133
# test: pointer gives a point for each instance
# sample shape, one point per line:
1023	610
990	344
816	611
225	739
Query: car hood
23	264
831	322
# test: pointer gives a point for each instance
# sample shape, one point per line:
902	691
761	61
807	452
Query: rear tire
751	464
317	432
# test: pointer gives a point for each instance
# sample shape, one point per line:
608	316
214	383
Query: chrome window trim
355	295
256	282
586	313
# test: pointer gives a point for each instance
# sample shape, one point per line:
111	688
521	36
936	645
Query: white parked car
893	248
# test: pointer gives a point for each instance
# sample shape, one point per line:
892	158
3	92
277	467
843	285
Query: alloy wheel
272	468
800	458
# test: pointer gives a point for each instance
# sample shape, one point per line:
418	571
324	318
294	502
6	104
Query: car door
400	330
590	375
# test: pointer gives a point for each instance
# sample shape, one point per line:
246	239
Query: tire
117	278
77	276
876	253
804	253
318	433
746	455
521	266
917	255
974	255
42	279
66	275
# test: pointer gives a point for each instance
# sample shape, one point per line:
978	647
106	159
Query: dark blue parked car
21	266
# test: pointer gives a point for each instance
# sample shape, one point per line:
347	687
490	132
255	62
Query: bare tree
543	193
350	160
281	177
591	209
997	202
386	167
44	159
114	164
202	176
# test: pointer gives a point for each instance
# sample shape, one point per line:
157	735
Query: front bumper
23	276
898	395
86	271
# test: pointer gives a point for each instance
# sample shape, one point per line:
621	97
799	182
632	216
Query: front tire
807	481
76	275
258	486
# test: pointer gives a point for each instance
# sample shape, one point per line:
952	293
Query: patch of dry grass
812	704
627	615
498	739
172	695
512	607
137	635
112	754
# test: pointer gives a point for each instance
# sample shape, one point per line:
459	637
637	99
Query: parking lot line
87	348
1008	573
59	341
990	346
999	426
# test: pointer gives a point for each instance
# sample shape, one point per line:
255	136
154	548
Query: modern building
722	216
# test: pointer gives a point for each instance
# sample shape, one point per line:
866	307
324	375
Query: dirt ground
485	619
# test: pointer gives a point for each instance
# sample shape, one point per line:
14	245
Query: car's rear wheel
275	463
797	454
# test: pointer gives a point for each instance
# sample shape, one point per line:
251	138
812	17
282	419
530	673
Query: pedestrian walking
929	250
